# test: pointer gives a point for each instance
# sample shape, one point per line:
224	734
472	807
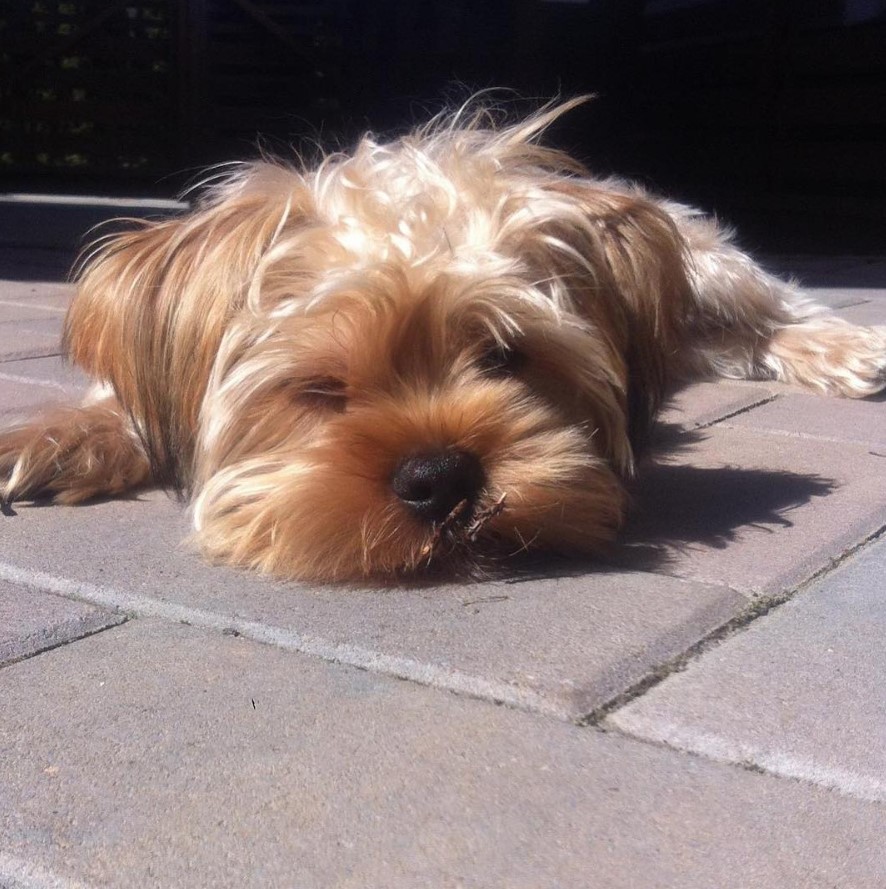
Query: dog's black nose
434	484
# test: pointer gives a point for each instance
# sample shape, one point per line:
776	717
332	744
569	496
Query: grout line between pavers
17	304
803	436
716	748
756	609
451	680
17	873
31	354
737	412
60	643
851	305
3	359
47	384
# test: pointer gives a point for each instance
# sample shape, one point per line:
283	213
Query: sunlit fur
277	353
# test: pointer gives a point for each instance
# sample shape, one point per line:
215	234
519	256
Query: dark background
772	114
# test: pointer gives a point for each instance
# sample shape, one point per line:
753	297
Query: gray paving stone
871	313
19	398
559	645
53	296
841	298
25	312
702	404
800	693
757	512
838	419
32	621
160	755
53	373
30	338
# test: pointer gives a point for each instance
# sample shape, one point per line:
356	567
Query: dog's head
434	352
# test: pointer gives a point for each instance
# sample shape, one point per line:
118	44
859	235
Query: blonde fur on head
436	351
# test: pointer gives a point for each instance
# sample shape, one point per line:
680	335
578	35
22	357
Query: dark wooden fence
778	105
88	88
139	89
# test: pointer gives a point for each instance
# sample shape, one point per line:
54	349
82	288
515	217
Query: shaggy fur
436	351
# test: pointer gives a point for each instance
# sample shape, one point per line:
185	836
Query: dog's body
436	351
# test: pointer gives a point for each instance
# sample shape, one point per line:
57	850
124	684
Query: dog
429	354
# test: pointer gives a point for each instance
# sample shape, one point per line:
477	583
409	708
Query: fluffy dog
434	352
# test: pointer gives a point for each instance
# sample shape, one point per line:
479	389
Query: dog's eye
325	393
502	360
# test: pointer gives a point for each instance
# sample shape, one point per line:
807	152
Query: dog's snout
432	485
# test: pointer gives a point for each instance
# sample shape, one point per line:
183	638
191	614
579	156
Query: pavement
705	710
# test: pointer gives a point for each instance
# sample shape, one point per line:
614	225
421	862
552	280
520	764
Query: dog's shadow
677	507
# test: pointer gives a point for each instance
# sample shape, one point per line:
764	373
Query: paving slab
25	312
52	372
868	305
20	398
755	511
32	621
33	338
703	404
842	298
51	296
871	313
837	419
800	693
559	645
161	755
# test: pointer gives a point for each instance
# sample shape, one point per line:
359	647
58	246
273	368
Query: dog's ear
622	265
650	294
618	257
153	304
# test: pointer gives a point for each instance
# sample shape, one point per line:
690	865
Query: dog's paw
831	355
24	469
71	455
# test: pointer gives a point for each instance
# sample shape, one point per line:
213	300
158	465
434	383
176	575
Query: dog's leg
750	324
72	454
827	353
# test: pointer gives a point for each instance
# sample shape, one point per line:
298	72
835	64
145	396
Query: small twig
483	599
484	516
469	533
442	528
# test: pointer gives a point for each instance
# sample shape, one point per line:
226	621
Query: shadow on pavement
676	508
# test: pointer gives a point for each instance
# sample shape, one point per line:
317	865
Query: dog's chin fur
279	353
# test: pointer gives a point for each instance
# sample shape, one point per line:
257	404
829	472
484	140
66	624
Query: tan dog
437	351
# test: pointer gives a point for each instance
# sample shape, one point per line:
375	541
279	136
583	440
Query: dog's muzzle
433	485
